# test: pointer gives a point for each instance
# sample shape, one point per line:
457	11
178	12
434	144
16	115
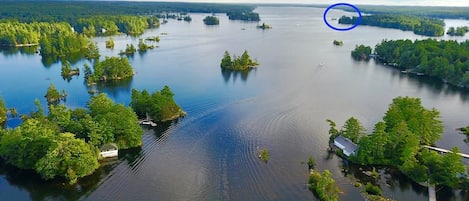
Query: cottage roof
348	145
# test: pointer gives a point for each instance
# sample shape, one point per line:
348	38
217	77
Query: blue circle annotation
343	4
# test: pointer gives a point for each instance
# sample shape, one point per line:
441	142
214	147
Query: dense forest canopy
397	141
160	105
64	143
447	60
419	25
71	11
211	20
422	11
244	62
111	68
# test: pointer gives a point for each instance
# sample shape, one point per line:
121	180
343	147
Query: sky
360	2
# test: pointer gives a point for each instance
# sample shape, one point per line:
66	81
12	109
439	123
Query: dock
147	122
445	151
431	193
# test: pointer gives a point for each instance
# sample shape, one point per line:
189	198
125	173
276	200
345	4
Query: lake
211	154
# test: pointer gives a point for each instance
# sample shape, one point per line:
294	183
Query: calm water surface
212	153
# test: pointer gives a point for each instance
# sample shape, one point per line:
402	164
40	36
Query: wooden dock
445	151
431	193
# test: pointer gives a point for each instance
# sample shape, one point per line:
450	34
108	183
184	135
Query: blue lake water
282	105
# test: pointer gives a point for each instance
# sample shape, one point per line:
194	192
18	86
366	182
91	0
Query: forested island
111	68
446	60
211	20
419	25
361	52
399	139
62	29
458	31
65	143
238	63
159	106
264	26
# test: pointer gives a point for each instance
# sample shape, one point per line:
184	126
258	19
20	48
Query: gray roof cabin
346	145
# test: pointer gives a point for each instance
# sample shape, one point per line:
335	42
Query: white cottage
346	145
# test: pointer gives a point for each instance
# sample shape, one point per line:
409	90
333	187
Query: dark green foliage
112	68
156	39
52	95
361	52
372	189
68	72
69	158
71	11
352	130
311	163
65	143
237	63
187	18
110	43
3	114
333	132
143	47
323	186
459	31
264	26
245	15
211	20
160	105
122	121
398	140
441	12
447	60
264	155
338	42
419	25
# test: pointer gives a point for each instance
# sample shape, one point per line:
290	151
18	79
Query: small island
361	52
143	47
129	50
458	31
264	155
158	106
211	20
238	63
110	43
68	71
112	68
264	26
338	42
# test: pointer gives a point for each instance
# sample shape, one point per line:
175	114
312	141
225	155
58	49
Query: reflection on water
115	88
7	51
228	74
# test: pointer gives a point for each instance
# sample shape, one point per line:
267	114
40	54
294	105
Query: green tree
211	20
420	121
323	185
3	113
226	61
353	129
52	95
333	132
110	43
69	158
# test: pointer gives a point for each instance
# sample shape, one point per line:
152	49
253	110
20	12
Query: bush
372	189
